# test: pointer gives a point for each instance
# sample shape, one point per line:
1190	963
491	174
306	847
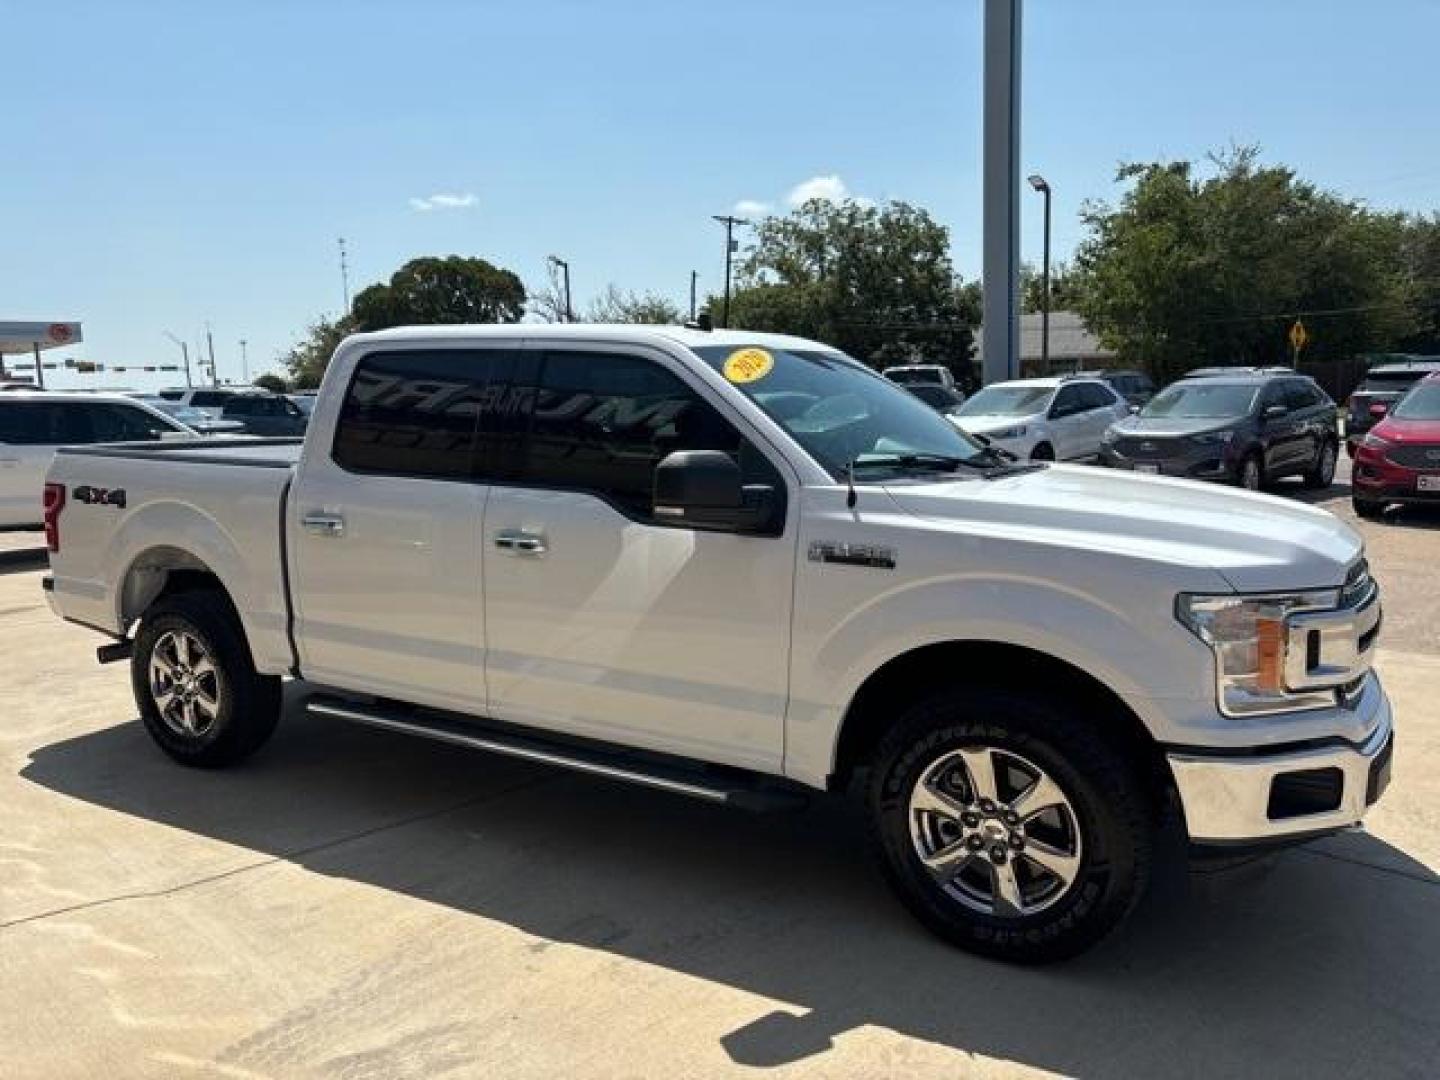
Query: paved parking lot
357	904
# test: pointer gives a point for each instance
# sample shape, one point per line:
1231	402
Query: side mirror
702	489
1378	409
1274	412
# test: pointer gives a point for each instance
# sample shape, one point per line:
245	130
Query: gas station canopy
19	338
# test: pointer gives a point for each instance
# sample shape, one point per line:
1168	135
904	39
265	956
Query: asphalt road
357	904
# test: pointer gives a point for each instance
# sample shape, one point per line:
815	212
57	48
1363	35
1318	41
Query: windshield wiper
930	462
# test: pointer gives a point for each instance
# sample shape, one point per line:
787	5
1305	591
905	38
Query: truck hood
1258	543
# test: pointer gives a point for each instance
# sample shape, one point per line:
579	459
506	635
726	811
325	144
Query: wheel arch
927	669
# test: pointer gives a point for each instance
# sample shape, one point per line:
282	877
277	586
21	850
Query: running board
715	784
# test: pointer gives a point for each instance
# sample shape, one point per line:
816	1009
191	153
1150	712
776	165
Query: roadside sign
1299	336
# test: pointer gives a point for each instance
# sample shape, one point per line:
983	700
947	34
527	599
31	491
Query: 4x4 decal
95	496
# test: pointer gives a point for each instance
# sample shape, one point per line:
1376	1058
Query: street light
729	221
1040	184
555	260
185	354
244	362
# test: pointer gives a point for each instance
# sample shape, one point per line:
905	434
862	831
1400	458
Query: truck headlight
1248	636
1016	432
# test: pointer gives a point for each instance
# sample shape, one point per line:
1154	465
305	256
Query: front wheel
1008	827
1322	473
197	689
1251	474
1043	452
1370	509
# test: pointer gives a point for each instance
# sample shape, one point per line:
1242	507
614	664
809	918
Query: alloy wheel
995	832
184	684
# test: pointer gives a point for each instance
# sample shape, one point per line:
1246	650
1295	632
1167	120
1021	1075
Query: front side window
209	399
838	410
414	413
601	422
1069	401
1095	396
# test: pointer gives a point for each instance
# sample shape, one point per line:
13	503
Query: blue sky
172	164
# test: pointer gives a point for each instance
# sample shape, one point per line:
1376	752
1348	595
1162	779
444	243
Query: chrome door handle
521	542
322	524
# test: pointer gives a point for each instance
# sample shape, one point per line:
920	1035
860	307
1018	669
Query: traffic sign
1299	336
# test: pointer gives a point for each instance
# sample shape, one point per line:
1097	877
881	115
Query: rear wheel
1008	827
197	689
1322	472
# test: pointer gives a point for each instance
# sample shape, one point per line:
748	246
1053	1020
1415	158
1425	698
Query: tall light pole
1001	189
729	221
564	268
694	277
1040	184
210	345
184	355
244	362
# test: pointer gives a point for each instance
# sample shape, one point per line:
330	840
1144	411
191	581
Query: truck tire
1370	509
196	686
1043	452
1009	827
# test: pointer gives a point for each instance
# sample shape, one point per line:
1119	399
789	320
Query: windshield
838	409
1008	401
1202	401
1387	382
1422	403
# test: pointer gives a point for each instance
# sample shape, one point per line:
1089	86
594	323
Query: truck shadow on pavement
1320	961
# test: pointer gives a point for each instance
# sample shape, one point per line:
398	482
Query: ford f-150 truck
740	567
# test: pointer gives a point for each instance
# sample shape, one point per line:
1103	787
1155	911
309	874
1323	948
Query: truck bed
129	505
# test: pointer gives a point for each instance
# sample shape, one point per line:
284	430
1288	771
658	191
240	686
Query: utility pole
1001	191
244	362
184	355
210	344
344	277
694	276
564	266
729	221
1040	184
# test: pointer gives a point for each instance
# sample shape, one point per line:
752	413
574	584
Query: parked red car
1398	460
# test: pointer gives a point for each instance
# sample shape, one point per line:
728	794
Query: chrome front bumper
1233	799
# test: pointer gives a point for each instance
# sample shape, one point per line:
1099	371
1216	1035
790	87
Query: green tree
272	382
430	290
874	281
1192	270
616	305
1065	287
307	359
1420	254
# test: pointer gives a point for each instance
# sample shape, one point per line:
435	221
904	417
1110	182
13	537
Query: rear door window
416	412
27	423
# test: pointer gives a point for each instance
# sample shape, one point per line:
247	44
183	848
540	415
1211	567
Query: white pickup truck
738	567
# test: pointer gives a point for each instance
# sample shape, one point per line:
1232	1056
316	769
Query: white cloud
825	188
443	201
751	208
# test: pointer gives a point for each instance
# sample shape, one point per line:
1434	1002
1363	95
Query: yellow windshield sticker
748	365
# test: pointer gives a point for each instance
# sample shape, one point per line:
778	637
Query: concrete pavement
357	904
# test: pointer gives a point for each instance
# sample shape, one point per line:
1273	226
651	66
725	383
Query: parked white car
1055	419
34	424
745	568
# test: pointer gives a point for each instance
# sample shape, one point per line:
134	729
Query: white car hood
1258	543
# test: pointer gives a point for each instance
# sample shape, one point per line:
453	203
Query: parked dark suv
1247	426
1134	386
1378	392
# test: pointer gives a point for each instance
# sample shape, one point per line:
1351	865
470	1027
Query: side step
716	784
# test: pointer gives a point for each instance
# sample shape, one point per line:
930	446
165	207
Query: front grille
1416	456
1134	446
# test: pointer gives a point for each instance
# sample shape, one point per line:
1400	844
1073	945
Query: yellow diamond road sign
1298	336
